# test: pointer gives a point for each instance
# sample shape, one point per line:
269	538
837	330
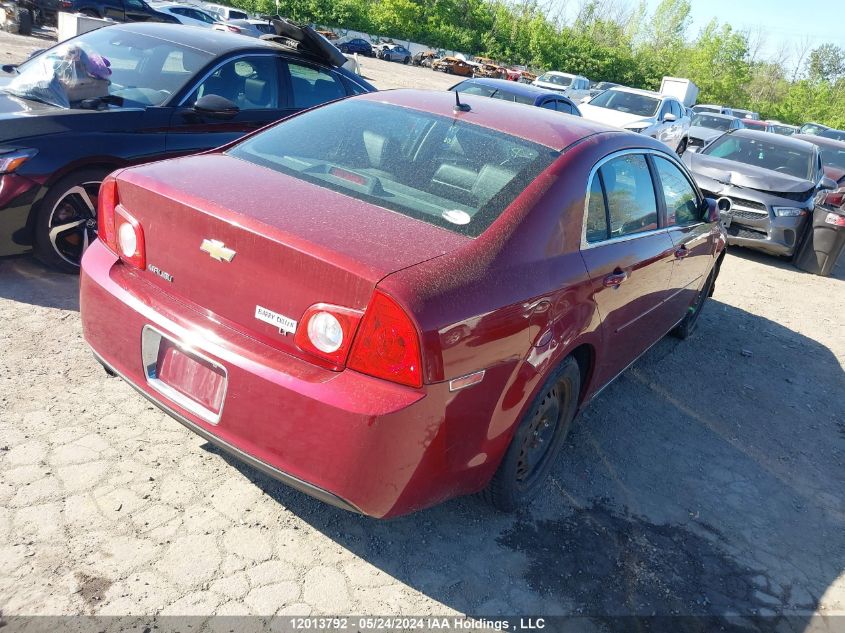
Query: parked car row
515	272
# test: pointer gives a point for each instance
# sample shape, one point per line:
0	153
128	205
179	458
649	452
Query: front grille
750	204
748	215
736	230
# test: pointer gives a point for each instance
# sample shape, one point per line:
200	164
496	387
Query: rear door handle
681	252
615	279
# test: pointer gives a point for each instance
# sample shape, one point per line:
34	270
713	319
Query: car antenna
460	107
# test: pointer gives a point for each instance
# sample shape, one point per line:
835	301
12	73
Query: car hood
742	175
611	117
704	133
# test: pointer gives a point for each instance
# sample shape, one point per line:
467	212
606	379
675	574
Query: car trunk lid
239	241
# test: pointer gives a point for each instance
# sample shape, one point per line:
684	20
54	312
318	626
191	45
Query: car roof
206	40
638	91
544	127
820	140
513	87
786	141
718	115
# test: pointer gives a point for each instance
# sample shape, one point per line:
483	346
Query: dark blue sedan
518	92
357	45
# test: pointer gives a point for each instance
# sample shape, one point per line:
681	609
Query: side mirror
715	208
216	107
828	184
669	117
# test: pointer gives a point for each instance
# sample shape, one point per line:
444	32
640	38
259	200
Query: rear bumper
351	440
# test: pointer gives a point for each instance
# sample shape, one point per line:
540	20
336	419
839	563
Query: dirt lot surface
709	479
16	48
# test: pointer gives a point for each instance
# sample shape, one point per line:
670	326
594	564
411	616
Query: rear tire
686	327
66	221
406	61
537	440
25	24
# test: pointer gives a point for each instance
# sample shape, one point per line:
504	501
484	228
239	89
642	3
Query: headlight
11	159
788	212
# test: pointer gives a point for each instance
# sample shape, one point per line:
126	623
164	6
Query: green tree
826	63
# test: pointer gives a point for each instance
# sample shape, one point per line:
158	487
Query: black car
133	93
117	10
357	45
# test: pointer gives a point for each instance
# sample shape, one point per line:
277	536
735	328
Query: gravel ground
708	479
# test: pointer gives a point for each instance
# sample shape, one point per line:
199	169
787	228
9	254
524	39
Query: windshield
445	172
833	157
839	135
765	154
783	130
712	122
630	102
111	66
558	80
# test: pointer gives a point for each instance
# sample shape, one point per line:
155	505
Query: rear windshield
833	157
629	102
713	122
437	169
839	135
763	153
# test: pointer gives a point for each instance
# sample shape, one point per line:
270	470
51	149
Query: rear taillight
326	331
116	227
387	344
233	29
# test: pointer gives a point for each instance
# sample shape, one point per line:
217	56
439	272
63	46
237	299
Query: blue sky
783	22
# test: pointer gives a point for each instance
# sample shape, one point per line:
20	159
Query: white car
224	13
575	87
251	27
651	113
186	14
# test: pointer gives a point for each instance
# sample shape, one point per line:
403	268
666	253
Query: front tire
537	440
66	222
686	327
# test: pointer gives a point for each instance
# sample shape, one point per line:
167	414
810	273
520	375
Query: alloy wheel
72	223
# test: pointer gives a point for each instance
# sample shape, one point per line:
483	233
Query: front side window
141	70
682	203
442	171
251	83
632	207
311	86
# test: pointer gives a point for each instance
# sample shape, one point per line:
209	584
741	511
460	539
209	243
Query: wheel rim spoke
80	193
61	228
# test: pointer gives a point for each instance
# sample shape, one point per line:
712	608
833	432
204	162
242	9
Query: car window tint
549	105
563	106
596	229
476	89
438	169
251	83
311	86
682	204
630	195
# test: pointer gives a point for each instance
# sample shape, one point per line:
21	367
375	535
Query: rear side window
682	204
445	172
631	203
311	86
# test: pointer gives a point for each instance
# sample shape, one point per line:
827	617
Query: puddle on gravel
604	563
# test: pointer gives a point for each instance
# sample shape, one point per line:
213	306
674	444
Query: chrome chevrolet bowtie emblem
217	250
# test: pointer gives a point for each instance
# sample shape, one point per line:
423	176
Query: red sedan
391	300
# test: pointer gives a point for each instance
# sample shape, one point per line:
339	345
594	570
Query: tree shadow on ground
708	480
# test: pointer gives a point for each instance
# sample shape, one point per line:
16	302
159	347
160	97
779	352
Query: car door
629	258
692	236
136	11
252	82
